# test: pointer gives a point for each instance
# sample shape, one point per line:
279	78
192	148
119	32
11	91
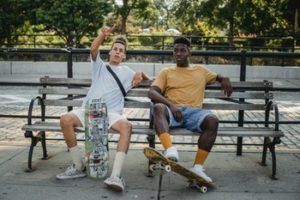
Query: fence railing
242	56
164	42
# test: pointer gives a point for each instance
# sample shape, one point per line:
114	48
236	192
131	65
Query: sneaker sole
73	177
209	181
174	159
114	187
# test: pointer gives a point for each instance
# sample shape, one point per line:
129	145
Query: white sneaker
172	154
115	183
199	170
70	173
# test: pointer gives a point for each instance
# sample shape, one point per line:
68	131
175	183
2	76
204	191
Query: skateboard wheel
203	189
151	167
168	168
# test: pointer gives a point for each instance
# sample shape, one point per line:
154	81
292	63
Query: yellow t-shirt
184	86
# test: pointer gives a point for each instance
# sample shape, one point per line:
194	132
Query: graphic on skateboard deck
96	138
161	162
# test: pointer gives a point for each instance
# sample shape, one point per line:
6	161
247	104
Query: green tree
146	16
124	9
72	19
166	17
258	17
263	18
12	17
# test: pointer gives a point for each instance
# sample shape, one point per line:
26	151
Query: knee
210	123
66	120
158	109
126	127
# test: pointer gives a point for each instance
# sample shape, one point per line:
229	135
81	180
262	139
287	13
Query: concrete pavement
235	177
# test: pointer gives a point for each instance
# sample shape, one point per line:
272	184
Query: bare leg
205	144
161	123
124	127
68	122
208	137
161	116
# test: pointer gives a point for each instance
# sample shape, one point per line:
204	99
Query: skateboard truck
160	165
197	185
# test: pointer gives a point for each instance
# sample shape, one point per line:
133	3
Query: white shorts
112	117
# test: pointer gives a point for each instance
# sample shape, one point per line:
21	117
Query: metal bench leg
34	141
272	150
239	147
151	141
264	153
45	155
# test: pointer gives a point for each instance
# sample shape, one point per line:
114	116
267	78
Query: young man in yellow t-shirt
178	93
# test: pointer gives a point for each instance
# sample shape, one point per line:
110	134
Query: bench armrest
30	109
276	116
269	106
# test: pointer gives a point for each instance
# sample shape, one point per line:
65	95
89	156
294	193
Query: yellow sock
201	157
165	140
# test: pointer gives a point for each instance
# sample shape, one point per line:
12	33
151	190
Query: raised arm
105	32
225	84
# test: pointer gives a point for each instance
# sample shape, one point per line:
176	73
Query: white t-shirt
105	86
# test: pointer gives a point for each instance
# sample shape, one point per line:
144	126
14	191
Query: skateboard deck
96	138
161	162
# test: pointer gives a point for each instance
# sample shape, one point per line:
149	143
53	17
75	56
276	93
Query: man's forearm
159	98
96	44
145	76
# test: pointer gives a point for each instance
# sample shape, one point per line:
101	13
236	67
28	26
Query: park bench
247	96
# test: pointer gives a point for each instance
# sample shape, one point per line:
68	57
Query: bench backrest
71	91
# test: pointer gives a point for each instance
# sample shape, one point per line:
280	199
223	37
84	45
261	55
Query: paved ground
235	177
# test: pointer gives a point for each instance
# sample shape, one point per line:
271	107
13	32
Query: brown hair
121	40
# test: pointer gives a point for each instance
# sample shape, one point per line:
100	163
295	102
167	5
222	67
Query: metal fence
242	56
164	42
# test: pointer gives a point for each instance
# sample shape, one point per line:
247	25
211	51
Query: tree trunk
124	20
70	41
231	24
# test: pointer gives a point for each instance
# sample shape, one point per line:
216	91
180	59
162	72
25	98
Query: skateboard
161	162
96	138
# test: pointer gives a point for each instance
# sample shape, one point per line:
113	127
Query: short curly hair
182	40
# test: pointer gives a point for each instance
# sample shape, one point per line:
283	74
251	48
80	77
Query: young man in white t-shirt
103	86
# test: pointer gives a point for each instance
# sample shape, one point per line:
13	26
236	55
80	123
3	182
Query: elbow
93	52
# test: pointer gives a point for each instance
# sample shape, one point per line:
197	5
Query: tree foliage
257	17
9	22
142	9
72	19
